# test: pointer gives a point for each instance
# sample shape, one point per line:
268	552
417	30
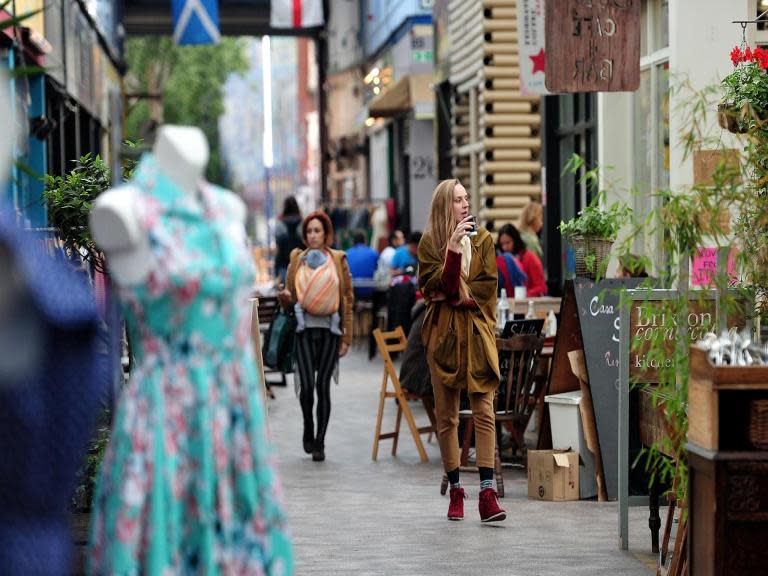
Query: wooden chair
399	342
522	393
256	339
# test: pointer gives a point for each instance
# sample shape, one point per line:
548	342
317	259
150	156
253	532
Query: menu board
589	321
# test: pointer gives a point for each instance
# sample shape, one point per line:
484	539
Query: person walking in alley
319	288
287	236
457	275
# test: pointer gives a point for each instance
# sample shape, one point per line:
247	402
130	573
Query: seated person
363	261
406	255
396	239
510	274
530	264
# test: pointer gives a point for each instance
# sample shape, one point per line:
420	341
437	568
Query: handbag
280	343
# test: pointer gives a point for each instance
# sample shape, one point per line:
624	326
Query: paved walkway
350	515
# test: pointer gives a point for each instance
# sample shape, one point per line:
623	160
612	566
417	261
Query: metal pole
322	100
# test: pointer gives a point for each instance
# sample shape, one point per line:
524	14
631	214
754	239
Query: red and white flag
296	13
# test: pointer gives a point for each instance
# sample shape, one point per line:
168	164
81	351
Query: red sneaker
456	507
490	511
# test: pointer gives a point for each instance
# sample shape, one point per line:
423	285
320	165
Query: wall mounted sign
594	45
530	42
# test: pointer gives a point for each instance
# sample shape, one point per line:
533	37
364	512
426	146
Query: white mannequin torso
182	155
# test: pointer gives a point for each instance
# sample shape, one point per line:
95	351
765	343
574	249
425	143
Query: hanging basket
731	120
739	120
591	255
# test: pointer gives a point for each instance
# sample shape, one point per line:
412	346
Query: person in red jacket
530	264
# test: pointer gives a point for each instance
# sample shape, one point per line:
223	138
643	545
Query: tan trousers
447	415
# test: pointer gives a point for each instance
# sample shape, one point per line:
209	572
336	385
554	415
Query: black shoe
308	441
318	454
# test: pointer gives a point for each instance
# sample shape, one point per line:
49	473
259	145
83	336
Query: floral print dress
188	484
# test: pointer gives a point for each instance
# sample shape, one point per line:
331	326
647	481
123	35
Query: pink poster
704	267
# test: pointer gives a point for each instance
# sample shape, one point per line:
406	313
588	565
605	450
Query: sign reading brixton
592	45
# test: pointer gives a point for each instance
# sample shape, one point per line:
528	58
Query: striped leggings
318	352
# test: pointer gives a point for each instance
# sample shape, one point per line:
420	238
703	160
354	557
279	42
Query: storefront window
643	145
651	108
661	24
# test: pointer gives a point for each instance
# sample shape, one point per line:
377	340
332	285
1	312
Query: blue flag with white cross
196	22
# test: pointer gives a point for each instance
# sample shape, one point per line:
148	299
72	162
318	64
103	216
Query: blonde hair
532	211
442	222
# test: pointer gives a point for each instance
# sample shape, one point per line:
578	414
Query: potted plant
744	104
70	199
594	230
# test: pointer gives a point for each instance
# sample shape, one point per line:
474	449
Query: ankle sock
486	478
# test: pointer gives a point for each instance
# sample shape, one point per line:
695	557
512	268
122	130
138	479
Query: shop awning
408	93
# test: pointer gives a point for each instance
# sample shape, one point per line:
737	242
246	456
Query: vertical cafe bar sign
592	45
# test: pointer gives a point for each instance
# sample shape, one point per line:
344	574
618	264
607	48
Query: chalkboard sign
589	321
598	306
532	326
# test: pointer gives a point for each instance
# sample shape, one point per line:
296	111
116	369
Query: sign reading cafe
597	43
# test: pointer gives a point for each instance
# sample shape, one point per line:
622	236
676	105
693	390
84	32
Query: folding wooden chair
399	344
256	337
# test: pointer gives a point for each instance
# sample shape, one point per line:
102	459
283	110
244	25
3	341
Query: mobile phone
473	230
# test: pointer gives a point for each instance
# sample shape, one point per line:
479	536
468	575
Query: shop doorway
570	128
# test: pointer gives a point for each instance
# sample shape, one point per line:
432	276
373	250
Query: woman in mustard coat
458	277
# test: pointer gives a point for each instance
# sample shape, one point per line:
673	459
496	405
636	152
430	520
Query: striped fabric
318	289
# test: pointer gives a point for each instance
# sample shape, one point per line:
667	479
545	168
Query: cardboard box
553	475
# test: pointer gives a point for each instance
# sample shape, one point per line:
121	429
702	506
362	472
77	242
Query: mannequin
188	443
182	153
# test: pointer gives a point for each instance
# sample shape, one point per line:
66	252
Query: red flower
748	57
761	56
736	55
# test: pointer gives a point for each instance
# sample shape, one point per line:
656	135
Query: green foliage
70	200
729	209
595	220
190	80
88	473
745	94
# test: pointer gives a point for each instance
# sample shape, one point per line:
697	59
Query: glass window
651	113
662	105
643	128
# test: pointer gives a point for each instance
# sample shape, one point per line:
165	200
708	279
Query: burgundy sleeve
449	281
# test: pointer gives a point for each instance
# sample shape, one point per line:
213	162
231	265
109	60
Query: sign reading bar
593	45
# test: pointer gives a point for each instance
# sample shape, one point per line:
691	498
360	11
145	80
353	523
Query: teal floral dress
188	484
